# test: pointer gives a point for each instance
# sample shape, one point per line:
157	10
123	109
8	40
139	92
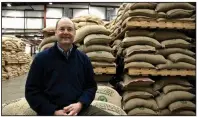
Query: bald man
61	79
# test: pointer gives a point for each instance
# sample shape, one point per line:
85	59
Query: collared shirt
66	54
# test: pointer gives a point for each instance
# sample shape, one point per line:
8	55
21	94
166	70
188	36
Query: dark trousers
94	111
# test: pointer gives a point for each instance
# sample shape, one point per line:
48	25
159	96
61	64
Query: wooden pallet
164	72
161	24
155	24
105	70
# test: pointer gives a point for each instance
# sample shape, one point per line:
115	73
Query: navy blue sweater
54	82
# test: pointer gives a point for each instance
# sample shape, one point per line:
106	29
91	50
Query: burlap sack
140	40
90	29
107	94
116	42
139	32
46	46
47	40
176	43
103	78
18	107
48	29
179	13
97	39
160	35
139	65
178	65
141	111
167	51
136	81
102	64
81	24
164	7
149	58
182	105
150	5
164	112
136	94
146	89
101	56
174	87
139	12
138	102
178	57
138	49
93	48
159	84
161	15
163	100
183	113
108	107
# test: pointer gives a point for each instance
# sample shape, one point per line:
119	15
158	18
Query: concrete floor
13	88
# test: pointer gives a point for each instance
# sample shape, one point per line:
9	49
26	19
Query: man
60	80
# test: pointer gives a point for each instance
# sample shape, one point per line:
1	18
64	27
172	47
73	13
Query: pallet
155	24
164	72
161	24
105	70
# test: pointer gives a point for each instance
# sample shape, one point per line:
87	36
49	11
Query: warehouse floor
13	88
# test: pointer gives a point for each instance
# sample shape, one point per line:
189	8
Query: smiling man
61	78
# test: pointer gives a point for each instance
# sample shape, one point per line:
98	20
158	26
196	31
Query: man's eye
69	29
62	29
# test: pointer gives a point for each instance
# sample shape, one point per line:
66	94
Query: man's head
65	31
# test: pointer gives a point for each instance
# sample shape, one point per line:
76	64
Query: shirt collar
63	52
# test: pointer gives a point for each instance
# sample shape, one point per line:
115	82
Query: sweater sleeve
90	87
33	89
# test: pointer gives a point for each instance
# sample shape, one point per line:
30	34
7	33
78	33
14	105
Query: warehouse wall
32	21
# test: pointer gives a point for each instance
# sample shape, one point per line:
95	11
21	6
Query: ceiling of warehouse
4	4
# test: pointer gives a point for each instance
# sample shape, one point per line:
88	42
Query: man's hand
60	112
73	109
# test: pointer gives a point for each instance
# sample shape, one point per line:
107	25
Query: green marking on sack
102	98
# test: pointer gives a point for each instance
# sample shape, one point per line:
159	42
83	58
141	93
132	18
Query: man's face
65	32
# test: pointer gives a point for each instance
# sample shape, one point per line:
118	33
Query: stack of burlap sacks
160	49
15	62
106	99
95	43
86	20
49	38
167	96
184	12
176	97
139	97
175	11
157	49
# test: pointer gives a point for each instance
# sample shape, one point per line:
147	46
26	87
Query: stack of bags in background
116	23
175	98
175	11
139	50
109	100
138	97
139	11
87	20
14	57
83	21
49	38
176	50
95	43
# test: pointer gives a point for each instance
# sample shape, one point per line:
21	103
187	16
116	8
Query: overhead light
9	5
50	3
